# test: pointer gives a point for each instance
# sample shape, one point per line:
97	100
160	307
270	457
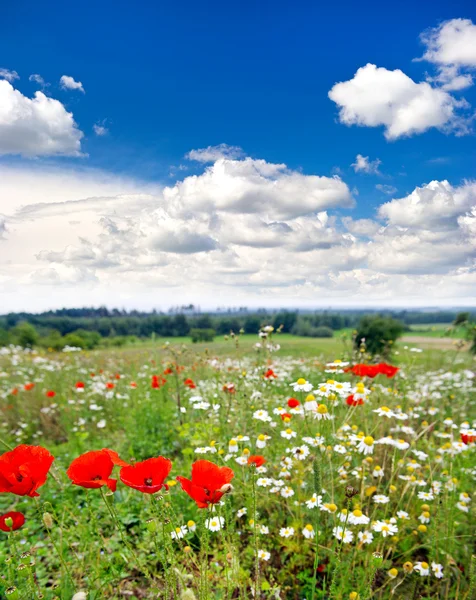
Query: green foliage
25	335
304	328
4	337
378	334
202	335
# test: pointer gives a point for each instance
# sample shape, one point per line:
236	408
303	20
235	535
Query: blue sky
166	79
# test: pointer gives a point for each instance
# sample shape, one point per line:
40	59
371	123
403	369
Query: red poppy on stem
14	392
388	370
190	384
79	385
286	416
351	401
93	469
270	374
11	521
28	386
168	371
256	460
147	476
293	403
229	387
50	394
208	484
468	438
109	385
362	370
24	469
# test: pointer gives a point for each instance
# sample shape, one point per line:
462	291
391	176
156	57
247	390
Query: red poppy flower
229	387
17	521
256	460
208	484
189	383
351	401
293	403
93	469
270	374
168	371
50	394
24	469
28	386
364	370
14	392
110	385
133	384
147	476
285	416
79	385
388	370
468	438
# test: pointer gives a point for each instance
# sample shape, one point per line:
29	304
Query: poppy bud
226	488
9	522
23	570
12	593
48	520
152	525
377	558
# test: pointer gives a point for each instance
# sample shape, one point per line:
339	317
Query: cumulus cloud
9	75
68	83
453	42
38	126
217	237
213	153
377	97
364	165
36	78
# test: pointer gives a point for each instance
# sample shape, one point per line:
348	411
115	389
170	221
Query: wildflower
208	484
401	444
468	438
241	512
322	412
437	570
262	415
233	446
352	400
11	521
314	501
288	434
422	567
381	499
24	469
191	525
286	532
401	514
357	517
384	411
308	532
101	424
293	403
287	492
190	384
363	370
286	417
257	460
408	567
50	394
301	385
329	507
392	573
215	524
424	517
264	482
264	555
79	385
147	476
366	537
345	536
93	469
366	446
179	532
377	472
386	529
426	496
261	440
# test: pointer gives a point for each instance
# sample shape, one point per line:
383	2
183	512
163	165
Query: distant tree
202	335
252	324
378	333
4	337
286	319
25	334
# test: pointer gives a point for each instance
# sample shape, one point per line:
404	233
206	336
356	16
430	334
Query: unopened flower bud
377	558
48	520
350	492
9	522
12	593
23	570
225	489
151	525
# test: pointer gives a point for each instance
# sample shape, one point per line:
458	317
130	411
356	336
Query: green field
223	402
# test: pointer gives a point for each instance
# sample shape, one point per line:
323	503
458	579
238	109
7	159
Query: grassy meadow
366	489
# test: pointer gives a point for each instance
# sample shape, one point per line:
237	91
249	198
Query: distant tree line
88	327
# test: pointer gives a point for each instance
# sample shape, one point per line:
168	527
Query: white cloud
9	75
386	189
435	205
96	238
377	97
213	153
453	42
38	126
100	130
364	165
68	83
36	78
